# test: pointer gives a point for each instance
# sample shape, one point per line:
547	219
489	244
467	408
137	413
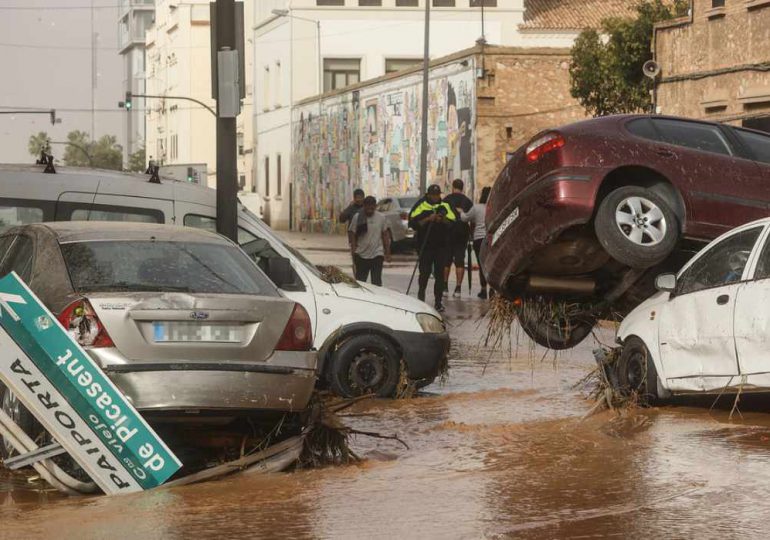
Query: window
759	145
194	267
240	144
330	2
369	2
485	3
102	213
266	90
19	258
722	264
407	3
174	147
704	137
277	92
341	72
443	3
242	182
278	176
11	216
642	127
717	3
210	224
267	176
760	124
397	64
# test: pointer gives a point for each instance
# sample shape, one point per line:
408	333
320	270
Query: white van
362	332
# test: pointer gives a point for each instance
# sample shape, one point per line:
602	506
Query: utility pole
227	159
424	132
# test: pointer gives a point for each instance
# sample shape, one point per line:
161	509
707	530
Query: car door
721	183
752	320
757	146
697	345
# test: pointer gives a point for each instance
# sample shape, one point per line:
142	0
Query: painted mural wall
370	138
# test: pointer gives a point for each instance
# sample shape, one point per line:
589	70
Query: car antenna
152	170
47	160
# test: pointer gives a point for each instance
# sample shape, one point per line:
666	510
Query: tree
81	151
37	143
137	161
606	75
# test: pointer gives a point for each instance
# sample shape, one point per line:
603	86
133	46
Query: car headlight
430	324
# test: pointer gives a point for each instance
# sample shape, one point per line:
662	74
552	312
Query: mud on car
582	218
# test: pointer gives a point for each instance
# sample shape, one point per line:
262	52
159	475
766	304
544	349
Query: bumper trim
424	353
195	366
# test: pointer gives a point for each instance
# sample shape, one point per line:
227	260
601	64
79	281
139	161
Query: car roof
90	231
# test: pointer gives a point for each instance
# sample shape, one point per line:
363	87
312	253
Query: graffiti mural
371	139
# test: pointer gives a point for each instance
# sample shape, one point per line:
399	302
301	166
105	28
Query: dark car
582	216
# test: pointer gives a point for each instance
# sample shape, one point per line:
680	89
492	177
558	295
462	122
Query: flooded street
498	451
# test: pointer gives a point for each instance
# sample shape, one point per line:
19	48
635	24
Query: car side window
642	127
722	264
19	259
758	145
384	206
763	264
100	212
12	215
695	135
210	224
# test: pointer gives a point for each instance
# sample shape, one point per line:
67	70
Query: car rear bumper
284	383
425	354
545	209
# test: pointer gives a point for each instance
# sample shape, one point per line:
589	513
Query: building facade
178	50
134	17
715	63
484	102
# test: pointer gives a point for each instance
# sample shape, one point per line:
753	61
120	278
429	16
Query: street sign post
72	398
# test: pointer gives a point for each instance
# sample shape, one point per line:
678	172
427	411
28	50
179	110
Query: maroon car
582	217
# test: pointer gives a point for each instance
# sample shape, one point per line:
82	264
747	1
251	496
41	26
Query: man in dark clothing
460	235
354	207
432	220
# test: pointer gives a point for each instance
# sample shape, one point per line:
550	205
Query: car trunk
153	327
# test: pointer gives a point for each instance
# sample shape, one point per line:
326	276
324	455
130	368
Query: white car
707	330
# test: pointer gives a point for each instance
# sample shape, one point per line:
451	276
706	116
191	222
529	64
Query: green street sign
74	400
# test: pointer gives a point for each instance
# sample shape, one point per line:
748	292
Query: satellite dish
651	69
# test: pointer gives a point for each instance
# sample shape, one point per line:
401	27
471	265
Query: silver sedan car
396	211
180	319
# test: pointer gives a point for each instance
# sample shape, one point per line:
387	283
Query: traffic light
128	103
190	175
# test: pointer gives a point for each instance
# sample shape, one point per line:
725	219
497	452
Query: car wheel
636	372
636	226
13	408
365	364
551	329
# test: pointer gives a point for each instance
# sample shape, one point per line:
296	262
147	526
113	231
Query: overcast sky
45	61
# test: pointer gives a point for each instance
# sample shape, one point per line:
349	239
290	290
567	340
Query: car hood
365	292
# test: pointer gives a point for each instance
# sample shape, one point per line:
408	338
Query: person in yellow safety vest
432	222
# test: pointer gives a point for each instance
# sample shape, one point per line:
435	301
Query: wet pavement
499	451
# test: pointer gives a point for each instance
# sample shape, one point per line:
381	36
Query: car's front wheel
636	372
636	226
554	326
364	364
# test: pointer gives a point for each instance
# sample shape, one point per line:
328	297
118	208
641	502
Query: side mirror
666	282
279	271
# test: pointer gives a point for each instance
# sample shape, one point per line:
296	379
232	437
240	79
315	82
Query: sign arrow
6	300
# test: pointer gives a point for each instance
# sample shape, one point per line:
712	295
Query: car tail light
404	216
543	145
80	321
298	334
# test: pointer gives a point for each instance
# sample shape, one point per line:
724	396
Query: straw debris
334	274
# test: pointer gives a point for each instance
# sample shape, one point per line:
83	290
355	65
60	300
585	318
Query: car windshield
407	202
120	266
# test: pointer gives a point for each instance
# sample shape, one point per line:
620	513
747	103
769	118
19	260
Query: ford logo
199	315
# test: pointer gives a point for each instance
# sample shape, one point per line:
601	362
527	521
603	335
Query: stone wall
716	64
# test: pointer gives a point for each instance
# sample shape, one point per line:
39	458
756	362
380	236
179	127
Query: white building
359	40
178	49
134	17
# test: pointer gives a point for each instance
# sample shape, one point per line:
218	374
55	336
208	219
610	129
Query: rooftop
573	14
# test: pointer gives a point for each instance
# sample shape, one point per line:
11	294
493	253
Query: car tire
365	364
636	227
636	372
555	333
12	407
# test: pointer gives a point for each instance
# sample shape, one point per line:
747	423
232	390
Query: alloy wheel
641	221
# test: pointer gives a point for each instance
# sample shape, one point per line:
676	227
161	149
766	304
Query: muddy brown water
499	452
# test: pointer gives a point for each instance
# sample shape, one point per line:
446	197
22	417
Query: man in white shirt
370	242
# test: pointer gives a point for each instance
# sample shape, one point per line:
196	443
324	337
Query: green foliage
606	75
37	143
81	151
137	161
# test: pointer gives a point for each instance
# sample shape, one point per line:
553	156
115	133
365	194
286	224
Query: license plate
505	224
183	331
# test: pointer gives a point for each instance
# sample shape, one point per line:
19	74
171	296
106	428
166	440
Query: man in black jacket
354	207
432	220
458	242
